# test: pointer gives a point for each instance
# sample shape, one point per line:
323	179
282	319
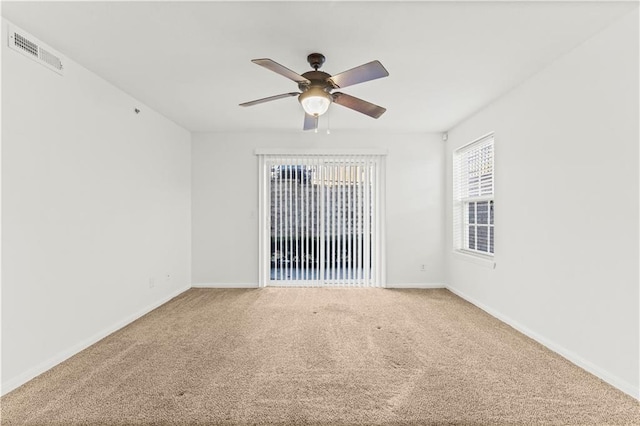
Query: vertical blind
473	196
323	220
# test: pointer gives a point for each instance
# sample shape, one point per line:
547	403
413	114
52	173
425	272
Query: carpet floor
317	356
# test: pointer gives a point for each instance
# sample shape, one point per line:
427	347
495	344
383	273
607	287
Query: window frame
461	202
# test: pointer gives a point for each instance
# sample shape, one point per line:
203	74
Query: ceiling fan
316	87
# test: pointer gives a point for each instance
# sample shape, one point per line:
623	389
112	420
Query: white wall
95	202
566	157
225	202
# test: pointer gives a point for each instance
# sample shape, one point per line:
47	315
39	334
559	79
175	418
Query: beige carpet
317	356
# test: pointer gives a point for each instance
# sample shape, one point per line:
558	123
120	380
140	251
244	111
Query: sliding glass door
321	220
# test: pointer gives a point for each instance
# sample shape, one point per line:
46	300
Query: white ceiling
190	61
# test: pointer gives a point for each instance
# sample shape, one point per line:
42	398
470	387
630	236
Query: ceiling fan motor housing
318	79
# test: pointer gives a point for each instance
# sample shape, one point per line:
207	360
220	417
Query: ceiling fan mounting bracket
316	60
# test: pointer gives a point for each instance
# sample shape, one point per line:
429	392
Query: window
473	197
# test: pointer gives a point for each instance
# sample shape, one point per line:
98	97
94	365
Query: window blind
475	169
323	221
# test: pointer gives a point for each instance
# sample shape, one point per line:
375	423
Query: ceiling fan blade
366	72
357	104
270	98
310	122
280	69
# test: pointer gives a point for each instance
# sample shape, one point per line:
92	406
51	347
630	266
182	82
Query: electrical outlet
423	267
167	277
152	282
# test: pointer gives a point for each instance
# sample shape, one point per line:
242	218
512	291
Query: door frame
264	225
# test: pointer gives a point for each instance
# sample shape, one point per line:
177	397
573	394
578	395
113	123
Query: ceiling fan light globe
315	105
315	101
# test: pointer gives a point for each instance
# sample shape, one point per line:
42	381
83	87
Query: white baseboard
224	285
415	285
613	380
13	383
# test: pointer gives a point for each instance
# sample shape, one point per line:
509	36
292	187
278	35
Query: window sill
478	259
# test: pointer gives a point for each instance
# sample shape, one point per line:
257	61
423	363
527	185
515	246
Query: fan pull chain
316	129
329	121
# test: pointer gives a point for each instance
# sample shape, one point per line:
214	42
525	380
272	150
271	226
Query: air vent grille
22	42
50	59
26	45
